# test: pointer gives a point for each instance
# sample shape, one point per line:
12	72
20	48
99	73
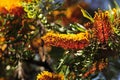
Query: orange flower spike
91	71
102	65
102	27
67	41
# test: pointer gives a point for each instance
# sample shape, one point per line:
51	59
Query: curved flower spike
67	41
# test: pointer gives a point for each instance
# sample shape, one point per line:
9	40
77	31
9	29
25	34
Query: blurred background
95	4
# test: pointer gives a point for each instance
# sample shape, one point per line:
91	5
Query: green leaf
116	4
65	70
81	28
111	13
78	27
31	15
62	61
117	7
87	15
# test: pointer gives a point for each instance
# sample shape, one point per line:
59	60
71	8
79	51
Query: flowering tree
70	46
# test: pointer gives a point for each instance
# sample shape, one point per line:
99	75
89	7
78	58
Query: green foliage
87	15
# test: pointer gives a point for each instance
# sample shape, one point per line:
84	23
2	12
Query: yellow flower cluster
67	41
45	75
8	4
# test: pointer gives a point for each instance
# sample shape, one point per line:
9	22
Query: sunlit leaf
87	15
